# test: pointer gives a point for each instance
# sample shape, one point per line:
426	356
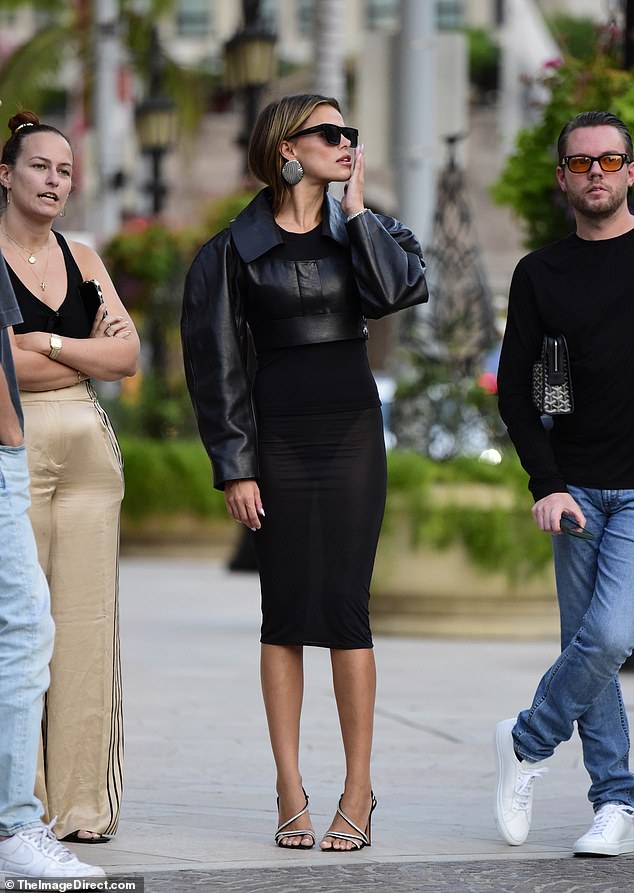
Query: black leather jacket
235	289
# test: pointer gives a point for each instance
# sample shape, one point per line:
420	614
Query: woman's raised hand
353	191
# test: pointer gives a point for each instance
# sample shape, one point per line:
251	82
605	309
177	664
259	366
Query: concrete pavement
199	800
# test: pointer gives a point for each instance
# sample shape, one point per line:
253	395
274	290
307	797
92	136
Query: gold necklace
31	259
42	283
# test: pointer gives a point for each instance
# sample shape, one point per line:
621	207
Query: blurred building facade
195	32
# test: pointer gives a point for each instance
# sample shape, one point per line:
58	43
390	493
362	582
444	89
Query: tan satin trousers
76	490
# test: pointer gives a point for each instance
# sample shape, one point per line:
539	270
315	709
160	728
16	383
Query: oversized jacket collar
255	232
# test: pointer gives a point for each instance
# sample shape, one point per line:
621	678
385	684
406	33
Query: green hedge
167	477
496	537
172	477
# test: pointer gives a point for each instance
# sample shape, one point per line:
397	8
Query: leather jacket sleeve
388	264
215	353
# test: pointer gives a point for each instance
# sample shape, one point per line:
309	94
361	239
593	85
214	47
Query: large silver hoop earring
292	172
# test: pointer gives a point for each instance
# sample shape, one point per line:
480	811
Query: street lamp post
156	125
249	64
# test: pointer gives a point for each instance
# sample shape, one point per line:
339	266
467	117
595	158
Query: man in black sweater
582	287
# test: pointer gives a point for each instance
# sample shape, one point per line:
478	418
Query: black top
9	316
584	290
70	320
311	378
312	245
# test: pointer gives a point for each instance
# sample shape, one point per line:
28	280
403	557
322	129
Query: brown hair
593	119
21	125
275	123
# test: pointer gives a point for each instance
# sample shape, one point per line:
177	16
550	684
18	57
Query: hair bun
22	118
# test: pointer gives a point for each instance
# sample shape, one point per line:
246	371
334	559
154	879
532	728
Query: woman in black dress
299	450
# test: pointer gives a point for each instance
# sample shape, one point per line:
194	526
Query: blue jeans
26	645
595	588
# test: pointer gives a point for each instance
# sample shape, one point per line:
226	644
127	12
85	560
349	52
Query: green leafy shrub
576	35
146	256
157	410
168	477
495	537
217	215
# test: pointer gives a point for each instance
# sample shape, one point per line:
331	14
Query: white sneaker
611	834
514	793
36	853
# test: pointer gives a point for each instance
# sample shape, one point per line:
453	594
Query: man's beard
609	205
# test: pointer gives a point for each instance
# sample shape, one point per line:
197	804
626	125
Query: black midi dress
322	483
307	425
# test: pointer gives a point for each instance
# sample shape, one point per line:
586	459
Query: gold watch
56	346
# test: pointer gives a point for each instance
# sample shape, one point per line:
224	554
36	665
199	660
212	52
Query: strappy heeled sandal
281	832
360	839
74	837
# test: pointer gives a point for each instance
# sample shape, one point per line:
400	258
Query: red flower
136	224
488	382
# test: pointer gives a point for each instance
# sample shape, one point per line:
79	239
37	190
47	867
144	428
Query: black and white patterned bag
552	385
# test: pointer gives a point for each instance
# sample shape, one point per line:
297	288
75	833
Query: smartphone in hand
570	525
92	298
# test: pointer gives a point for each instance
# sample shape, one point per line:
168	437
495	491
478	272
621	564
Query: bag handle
555	348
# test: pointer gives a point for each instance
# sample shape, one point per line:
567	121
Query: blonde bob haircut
275	123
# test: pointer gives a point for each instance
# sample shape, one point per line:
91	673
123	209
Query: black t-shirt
311	378
585	290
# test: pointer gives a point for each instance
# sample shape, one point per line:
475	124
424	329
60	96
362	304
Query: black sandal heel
281	833
360	839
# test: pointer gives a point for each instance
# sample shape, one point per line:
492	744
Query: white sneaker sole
603	849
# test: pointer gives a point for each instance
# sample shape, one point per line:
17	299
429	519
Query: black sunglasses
610	162
332	133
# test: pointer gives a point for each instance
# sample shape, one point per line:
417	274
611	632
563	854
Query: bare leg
354	677
282	674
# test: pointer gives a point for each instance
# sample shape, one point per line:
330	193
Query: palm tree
65	33
70	45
